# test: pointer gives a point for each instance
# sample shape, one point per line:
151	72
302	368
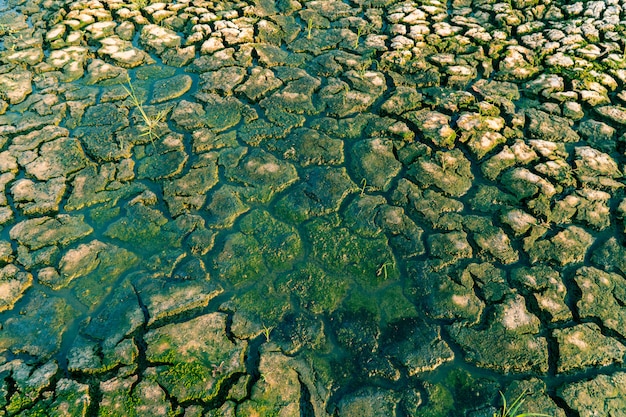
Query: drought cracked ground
316	208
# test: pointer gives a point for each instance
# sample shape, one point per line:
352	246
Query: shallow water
307	219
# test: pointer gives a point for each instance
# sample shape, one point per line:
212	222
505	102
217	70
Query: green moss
17	402
278	241
188	375
241	260
440	402
259	408
469	391
369	261
317	291
265	302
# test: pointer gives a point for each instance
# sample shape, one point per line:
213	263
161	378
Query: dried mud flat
317	208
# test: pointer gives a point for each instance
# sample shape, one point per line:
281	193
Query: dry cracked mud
352	208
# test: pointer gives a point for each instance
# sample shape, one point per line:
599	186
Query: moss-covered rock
117	397
34	198
188	192
417	345
547	287
159	38
260	82
241	259
166	159
535	397
58	158
16	86
164	298
369	402
509	342
318	291
142	226
311	147
281	388
29	383
448	248
94	278
122	316
549	127
443	297
170	88
71	398
434	126
280	242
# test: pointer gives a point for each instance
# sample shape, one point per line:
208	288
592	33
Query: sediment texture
316	208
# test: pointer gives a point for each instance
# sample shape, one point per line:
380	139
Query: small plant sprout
359	32
363	186
150	122
513	409
267	331
383	269
217	369
363	67
309	26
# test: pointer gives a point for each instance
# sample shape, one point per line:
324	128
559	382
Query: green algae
317	291
368	262
320	227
